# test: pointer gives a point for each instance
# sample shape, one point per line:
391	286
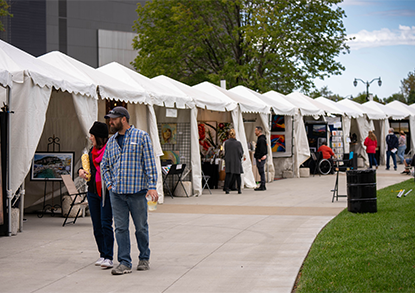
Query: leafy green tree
411	97
264	45
4	11
408	85
325	92
396	97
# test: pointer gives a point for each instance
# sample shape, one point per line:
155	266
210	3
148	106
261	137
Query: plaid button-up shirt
131	169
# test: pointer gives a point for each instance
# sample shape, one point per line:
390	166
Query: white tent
390	112
141	111
203	102
160	95
410	111
306	107
34	83
254	97
301	150
207	87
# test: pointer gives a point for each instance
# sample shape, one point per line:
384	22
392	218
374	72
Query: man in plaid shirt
130	174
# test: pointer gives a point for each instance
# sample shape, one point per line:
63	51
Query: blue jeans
401	153
372	160
388	154
101	217
122	206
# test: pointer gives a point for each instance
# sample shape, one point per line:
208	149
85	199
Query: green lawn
366	252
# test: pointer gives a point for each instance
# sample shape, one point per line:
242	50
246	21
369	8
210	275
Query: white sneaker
99	261
107	263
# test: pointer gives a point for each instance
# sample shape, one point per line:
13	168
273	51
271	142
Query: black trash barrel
361	191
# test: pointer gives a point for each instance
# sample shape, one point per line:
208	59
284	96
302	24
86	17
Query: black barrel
361	191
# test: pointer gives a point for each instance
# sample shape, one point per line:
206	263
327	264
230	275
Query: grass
372	252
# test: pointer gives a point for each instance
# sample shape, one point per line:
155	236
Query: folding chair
175	170
205	182
78	198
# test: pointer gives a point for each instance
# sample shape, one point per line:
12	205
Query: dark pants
101	217
230	181
261	170
372	160
388	155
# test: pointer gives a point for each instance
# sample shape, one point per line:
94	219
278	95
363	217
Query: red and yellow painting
278	142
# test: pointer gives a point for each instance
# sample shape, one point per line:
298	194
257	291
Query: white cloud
405	35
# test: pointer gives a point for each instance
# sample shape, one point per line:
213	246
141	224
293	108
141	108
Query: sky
384	47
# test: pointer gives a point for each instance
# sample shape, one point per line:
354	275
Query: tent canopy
279	104
390	112
109	87
306	107
306	103
346	110
252	102
202	99
160	94
351	108
19	63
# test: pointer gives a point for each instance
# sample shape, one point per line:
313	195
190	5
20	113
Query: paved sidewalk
252	242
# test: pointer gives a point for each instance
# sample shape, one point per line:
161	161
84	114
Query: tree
264	45
411	97
395	97
408	84
325	92
4	11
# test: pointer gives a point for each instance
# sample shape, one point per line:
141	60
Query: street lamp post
367	84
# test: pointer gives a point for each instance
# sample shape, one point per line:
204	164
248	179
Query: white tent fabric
109	87
256	99
326	107
410	111
306	107
248	100
32	82
5	78
207	87
351	112
390	112
160	94
301	148
278	103
373	111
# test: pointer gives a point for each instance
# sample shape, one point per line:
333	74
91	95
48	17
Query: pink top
370	145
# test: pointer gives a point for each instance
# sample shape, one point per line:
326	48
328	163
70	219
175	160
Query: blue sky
384	47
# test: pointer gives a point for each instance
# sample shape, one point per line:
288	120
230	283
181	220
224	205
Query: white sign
171	113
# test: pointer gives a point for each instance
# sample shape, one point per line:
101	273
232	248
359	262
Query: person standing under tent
99	202
371	144
392	143
130	174
260	155
233	161
402	147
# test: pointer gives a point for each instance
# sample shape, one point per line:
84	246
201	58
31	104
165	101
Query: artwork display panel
168	133
51	165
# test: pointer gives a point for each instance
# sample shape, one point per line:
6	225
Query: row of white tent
56	94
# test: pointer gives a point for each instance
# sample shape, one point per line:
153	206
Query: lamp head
380	82
355	82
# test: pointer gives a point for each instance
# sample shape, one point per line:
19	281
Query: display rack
56	147
337	143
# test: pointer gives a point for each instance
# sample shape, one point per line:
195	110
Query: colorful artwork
168	134
319	129
207	137
50	166
278	123
223	131
278	142
170	157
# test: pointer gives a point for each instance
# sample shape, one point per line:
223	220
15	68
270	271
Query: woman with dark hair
98	199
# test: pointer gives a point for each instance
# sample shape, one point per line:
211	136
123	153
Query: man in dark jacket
260	155
392	144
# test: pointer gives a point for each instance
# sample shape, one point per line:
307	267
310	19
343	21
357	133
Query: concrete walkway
252	242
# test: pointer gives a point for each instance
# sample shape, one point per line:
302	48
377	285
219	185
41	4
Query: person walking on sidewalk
99	202
260	156
401	147
371	144
130	174
392	146
233	161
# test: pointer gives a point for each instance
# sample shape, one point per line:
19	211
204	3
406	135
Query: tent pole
9	192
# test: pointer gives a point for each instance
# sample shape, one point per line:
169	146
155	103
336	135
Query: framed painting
278	123
278	142
168	133
207	138
51	165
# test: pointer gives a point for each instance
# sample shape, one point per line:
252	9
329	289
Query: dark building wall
70	26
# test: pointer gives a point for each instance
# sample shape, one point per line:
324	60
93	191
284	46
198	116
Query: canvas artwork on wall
278	142
168	133
207	138
278	123
170	157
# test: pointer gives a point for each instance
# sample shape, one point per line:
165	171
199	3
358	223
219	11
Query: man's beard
116	126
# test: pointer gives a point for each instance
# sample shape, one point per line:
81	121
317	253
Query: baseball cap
118	111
